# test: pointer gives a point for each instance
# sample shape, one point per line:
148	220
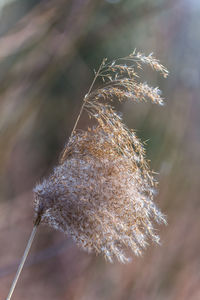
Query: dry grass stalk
102	191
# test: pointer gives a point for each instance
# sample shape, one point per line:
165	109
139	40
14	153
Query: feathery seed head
102	191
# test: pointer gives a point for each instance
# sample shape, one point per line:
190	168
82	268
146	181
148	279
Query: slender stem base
23	260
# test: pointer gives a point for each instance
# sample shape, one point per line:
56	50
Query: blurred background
48	50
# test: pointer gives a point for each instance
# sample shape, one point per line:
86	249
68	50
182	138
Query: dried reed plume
101	193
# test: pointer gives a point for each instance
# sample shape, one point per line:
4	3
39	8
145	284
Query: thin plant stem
86	96
30	241
85	101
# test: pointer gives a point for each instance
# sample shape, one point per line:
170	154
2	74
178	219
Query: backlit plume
101	193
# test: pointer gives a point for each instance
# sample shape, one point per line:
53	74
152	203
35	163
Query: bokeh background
48	50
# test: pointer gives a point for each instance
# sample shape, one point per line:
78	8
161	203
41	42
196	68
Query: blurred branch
49	33
140	12
30	28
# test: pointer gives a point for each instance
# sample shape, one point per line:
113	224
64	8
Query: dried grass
102	191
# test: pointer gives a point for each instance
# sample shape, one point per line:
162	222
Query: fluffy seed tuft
102	191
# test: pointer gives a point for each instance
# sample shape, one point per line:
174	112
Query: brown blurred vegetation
48	50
